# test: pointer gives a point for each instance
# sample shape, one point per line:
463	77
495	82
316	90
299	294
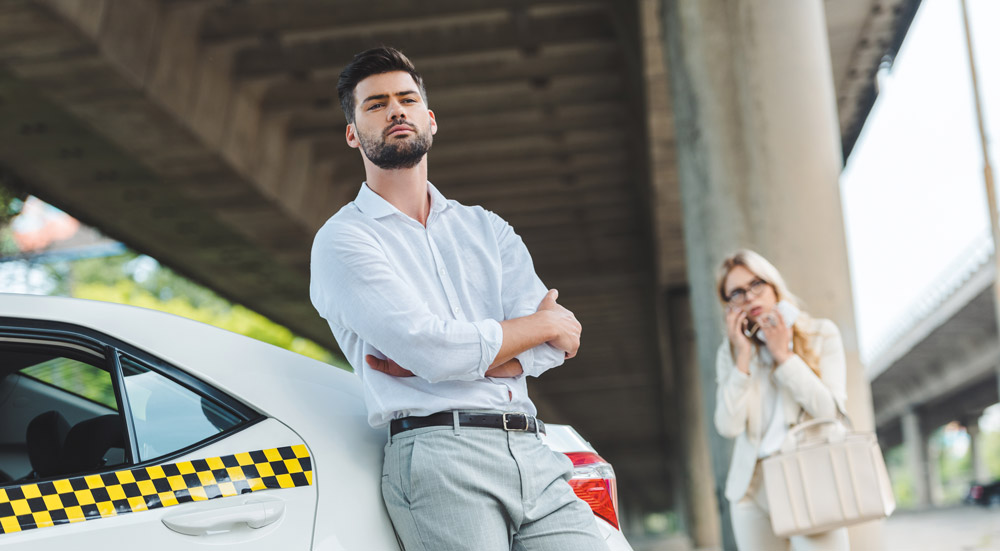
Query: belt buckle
506	421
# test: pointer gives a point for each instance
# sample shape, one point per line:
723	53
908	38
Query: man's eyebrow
385	96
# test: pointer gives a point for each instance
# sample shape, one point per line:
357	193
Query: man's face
392	124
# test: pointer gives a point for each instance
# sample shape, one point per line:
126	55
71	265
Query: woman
766	382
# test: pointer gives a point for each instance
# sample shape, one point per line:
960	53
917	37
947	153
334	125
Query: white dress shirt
429	298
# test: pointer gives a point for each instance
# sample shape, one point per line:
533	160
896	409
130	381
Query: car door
105	447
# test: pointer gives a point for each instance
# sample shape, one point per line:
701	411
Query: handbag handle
792	438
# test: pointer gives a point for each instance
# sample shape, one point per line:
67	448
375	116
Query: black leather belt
517	422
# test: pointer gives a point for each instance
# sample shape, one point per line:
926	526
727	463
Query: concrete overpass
941	365
207	135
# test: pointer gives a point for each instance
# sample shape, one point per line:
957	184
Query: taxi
122	426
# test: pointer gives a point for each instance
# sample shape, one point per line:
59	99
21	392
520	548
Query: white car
123	427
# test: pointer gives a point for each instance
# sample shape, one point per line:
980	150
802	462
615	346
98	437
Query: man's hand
512	368
387	366
567	328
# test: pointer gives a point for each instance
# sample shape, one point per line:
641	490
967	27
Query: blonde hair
759	266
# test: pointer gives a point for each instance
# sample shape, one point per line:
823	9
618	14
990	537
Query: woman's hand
778	335
741	345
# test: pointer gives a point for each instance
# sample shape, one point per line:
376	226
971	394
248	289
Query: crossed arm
355	286
551	323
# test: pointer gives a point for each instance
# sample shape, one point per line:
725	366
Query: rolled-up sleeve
521	292
354	286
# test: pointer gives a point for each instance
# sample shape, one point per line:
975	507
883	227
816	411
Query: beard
398	154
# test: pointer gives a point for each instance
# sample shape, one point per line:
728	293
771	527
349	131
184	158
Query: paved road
954	529
964	528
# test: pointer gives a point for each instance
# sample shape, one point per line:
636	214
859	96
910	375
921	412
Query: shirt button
441	271
456	309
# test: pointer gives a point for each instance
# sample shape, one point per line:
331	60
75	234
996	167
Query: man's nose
396	111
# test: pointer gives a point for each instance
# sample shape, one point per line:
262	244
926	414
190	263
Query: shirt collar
374	205
438	201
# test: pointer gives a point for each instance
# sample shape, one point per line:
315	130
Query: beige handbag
828	479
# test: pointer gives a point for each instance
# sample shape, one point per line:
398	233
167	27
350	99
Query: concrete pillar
759	158
935	489
701	498
979	471
697	496
916	457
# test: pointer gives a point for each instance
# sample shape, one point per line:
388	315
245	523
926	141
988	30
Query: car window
58	413
76	377
168	416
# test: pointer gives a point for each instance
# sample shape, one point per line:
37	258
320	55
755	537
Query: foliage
141	281
901	477
990	442
11	202
76	377
955	471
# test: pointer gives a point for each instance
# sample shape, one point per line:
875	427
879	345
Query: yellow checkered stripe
96	496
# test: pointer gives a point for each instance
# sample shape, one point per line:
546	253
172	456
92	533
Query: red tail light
594	482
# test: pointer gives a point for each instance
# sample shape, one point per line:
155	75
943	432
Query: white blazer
738	396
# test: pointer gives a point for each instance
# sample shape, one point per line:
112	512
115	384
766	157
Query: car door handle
217	519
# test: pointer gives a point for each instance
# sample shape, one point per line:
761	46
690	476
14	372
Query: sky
913	189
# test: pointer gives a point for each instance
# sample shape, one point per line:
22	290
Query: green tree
11	202
955	470
991	452
141	281
901	477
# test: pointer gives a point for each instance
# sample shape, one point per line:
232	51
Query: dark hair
375	61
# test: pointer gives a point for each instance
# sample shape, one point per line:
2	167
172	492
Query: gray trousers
483	489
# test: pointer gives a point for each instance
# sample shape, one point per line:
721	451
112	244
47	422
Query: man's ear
434	124
352	137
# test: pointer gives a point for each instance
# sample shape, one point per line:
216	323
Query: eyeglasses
739	295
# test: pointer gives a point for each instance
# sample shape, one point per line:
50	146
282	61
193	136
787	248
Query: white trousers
483	489
752	526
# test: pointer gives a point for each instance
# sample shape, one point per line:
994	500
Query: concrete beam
948	379
531	32
968	402
542	66
276	19
880	35
136	206
528	122
908	339
501	98
94	144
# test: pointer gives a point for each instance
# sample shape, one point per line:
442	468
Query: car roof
251	369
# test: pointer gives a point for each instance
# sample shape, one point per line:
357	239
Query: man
438	308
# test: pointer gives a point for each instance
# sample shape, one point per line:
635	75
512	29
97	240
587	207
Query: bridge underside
944	368
208	135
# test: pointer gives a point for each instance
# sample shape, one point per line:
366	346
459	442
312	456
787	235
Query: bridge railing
975	257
